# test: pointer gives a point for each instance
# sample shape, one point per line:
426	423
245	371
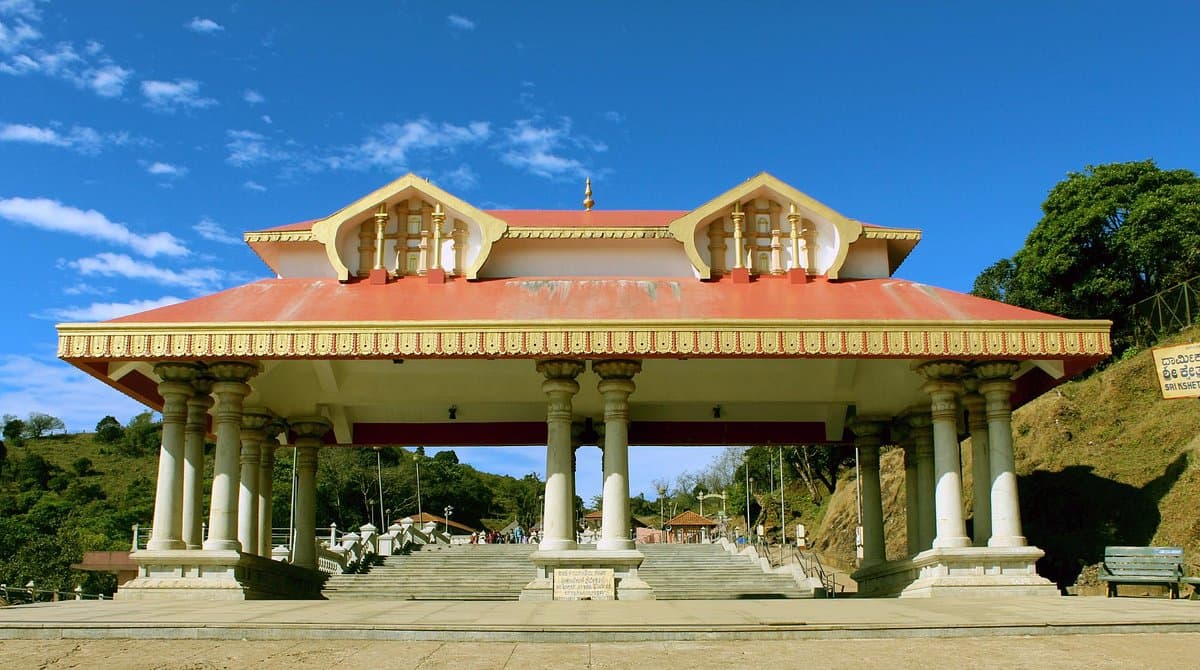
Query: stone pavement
1149	650
597	621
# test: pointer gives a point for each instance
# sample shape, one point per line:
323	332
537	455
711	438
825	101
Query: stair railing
812	567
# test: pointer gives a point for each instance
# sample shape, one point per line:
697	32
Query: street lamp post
448	510
379	478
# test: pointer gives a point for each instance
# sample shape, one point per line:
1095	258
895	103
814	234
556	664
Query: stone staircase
708	572
500	571
442	572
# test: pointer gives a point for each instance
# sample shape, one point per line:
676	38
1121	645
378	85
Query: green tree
3	457
142	435
14	430
1109	236
38	424
109	430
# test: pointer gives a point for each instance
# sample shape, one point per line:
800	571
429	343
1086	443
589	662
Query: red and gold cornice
897	339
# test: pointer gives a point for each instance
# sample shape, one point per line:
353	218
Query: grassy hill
1101	461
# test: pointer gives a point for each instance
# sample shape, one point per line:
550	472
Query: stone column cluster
615	386
239	514
932	464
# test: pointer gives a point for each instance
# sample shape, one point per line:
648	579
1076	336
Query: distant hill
1101	461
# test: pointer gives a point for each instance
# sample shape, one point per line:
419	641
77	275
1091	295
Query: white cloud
13	35
160	169
119	265
203	26
247	147
214	232
540	148
615	117
107	81
169	96
391	144
460	22
461	177
266	118
87	289
47	214
103	311
83	139
95	72
251	185
253	97
30	384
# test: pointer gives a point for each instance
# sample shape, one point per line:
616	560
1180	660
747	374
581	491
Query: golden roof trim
891	234
578	233
924	339
279	236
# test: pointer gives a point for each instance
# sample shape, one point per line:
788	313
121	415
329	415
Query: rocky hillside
1101	461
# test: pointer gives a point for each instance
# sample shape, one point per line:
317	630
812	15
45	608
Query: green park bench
1162	566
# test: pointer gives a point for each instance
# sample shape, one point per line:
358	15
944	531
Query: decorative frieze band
557	233
267	341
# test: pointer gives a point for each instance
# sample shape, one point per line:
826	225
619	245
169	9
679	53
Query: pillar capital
995	371
174	371
560	368
234	371
869	430
202	384
942	370
918	419
310	427
257	419
616	368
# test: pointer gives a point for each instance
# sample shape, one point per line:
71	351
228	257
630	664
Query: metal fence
1165	312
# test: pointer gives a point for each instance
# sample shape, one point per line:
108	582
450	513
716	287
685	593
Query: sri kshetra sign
1178	370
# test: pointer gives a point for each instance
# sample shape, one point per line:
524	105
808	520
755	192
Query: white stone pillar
193	460
923	447
558	527
175	389
309	431
231	389
944	388
266	484
254	420
996	385
868	435
616	384
981	468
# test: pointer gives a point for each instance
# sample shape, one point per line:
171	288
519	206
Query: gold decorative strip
281	341
568	233
280	236
890	234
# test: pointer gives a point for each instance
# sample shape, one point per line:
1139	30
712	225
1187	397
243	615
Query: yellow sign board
1178	370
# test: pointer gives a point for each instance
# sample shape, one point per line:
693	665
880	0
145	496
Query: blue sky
138	140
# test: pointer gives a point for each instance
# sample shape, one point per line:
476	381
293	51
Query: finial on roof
588	203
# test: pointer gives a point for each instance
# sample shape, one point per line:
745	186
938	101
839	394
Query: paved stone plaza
1155	650
598	621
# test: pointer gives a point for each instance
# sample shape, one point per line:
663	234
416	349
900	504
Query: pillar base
165	545
1014	541
615	544
740	275
218	575
378	276
222	545
797	276
624	565
958	572
436	276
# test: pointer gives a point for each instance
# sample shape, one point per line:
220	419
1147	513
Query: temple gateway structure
412	317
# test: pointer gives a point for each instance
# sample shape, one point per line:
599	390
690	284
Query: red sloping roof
299	225
535	300
689	518
577	218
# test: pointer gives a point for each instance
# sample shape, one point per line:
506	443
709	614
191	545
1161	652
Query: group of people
515	536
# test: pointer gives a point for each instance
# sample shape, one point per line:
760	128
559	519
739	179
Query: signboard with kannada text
1178	370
